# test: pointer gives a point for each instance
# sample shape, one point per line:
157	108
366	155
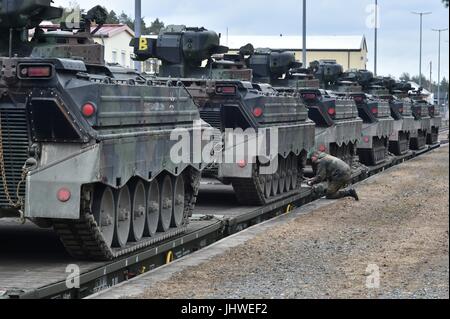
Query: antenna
10	42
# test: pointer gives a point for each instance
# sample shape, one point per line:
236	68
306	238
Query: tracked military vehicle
420	112
404	123
82	149
420	102
338	126
378	125
222	87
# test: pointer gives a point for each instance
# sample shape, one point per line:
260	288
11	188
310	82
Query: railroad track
28	273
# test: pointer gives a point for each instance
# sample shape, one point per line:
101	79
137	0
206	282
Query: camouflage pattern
182	51
127	136
332	169
333	175
338	126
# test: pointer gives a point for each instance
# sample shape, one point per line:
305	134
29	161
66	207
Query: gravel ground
401	225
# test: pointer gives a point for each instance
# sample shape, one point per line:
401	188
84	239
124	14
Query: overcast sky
398	34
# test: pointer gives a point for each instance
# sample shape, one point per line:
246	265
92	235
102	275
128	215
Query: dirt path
400	227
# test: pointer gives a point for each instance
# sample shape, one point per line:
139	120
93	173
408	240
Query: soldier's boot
352	193
344	194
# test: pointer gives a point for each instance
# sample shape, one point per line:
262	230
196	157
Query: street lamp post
439	64
376	37
421	14
304	34
137	27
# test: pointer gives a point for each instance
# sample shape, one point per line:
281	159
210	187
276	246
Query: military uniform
336	173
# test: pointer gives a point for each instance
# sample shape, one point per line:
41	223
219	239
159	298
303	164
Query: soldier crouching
334	172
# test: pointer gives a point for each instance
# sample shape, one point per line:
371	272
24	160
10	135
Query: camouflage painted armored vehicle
378	124
82	150
421	101
404	125
420	112
338	126
240	110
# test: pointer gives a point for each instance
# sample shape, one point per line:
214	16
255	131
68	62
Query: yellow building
349	51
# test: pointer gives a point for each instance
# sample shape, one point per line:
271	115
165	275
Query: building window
114	56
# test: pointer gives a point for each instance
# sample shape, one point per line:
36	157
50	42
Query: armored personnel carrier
240	110
404	123
420	101
82	149
420	111
378	125
338	126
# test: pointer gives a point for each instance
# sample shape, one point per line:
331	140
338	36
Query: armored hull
399	141
377	128
90	155
423	125
245	117
436	123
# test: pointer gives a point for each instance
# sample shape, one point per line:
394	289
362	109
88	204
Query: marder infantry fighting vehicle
420	101
338	126
83	151
420	111
228	100
404	125
378	125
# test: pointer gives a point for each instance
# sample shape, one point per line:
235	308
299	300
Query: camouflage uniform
338	175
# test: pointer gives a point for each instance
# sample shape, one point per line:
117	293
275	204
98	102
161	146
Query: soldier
334	171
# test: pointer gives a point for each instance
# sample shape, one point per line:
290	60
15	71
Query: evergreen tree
405	77
125	19
155	27
112	18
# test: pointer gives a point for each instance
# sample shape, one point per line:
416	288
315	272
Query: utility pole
421	14
304	34
431	77
137	27
376	37
439	64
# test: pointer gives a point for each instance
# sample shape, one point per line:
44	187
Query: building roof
314	43
110	30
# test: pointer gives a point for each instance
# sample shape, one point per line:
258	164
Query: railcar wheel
178	202
138	213
104	213
165	218
153	209
123	217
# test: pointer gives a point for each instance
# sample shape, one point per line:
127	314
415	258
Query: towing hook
30	164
